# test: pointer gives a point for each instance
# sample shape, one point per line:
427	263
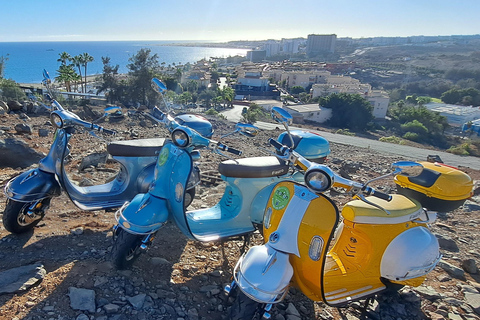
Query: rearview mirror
246	129
281	116
407	168
158	86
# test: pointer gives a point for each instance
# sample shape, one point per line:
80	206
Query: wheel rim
24	219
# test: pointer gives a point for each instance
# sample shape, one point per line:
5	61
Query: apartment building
320	44
343	84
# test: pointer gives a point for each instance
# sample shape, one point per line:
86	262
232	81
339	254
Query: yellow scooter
378	241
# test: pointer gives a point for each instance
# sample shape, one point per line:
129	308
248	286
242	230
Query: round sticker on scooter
162	157
280	198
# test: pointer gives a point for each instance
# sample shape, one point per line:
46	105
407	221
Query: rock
23	128
158	261
82	317
4	106
470	266
447	243
77	231
93	159
16	153
21	278
137	301
14	105
452	270
428	292
111	308
43	132
82	299
473	300
470	206
291	310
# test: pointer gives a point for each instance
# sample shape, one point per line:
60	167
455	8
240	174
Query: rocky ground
182	279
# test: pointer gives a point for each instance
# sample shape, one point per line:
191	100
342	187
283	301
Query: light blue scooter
249	182
30	193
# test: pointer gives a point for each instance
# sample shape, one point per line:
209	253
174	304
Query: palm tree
85	59
66	74
77	61
64	57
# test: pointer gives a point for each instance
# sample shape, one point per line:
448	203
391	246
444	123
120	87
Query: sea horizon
26	60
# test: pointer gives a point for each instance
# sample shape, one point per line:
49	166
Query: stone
23	128
291	310
137	301
82	317
21	278
447	243
82	299
470	266
452	270
93	159
14	105
473	300
16	153
158	261
43	132
111	308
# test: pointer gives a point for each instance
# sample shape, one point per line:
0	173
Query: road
410	153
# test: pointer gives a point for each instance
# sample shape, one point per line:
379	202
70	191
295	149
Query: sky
215	20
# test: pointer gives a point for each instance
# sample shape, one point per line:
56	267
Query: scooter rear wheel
19	217
244	308
126	249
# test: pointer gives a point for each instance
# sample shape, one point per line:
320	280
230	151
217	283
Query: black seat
136	148
255	167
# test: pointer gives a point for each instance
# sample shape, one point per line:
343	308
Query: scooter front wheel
126	249
20	217
244	308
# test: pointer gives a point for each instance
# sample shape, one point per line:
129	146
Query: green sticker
280	198
162	157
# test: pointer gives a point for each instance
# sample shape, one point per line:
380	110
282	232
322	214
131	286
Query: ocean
26	60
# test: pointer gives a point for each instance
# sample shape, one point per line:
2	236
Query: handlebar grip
228	149
157	113
107	131
372	192
275	143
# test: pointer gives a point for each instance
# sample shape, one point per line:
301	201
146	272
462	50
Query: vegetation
349	111
9	90
142	68
3	60
253	113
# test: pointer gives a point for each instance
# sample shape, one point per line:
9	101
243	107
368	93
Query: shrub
412	136
392	139
461	150
345	132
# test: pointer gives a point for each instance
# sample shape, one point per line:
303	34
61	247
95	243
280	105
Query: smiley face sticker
162	157
280	198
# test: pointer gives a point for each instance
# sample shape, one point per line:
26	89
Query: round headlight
56	120
180	138
318	180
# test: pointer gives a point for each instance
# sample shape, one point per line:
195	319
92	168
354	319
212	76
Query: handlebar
280	147
228	149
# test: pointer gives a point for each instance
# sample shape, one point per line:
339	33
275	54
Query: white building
310	112
342	84
456	115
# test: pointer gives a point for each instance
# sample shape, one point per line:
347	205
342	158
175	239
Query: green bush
412	136
392	139
345	132
461	150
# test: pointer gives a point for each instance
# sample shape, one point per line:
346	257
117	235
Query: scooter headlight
180	138
56	120
318	180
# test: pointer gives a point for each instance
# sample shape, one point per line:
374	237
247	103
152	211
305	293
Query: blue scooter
30	193
249	181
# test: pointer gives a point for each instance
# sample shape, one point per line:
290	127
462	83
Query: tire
15	218
189	196
126	249
244	308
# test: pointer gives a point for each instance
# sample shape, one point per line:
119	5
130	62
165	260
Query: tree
77	61
64	57
297	89
110	84
143	67
254	113
228	94
66	74
3	60
85	59
350	111
10	90
192	86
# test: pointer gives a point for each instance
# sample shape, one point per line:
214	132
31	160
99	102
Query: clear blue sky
84	20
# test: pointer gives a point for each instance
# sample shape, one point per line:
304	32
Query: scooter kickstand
246	243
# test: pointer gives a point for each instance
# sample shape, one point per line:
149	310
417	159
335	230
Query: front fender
32	185
145	214
264	274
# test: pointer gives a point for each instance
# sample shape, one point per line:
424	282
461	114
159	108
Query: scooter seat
255	167
136	148
401	208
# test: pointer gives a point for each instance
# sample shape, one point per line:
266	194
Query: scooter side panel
315	231
32	185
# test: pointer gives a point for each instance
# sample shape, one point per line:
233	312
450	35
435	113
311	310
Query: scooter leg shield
145	214
32	185
413	253
264	274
